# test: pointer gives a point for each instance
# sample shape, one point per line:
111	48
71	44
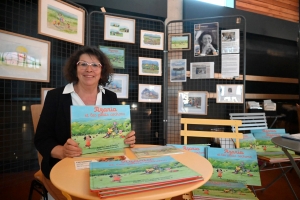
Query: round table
77	183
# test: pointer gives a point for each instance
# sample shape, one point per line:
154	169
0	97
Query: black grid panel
146	117
214	110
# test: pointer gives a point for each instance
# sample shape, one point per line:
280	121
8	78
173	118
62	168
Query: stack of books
115	178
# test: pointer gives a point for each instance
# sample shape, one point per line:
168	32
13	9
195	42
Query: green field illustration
150	66
180	42
152	39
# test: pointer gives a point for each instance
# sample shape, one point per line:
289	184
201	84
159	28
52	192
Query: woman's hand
208	48
70	149
130	139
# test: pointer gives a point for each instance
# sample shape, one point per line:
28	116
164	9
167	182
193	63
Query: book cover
100	130
223	190
248	141
234	165
155	151
274	130
199	149
126	173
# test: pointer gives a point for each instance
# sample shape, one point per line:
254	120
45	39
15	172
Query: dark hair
205	33
70	68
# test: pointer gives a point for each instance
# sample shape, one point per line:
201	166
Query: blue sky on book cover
270	130
199	149
100	128
234	165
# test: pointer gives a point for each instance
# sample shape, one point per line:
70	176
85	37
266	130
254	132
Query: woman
87	70
206	44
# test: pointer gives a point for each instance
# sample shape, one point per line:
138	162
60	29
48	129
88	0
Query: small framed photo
152	40
230	93
119	29
178	70
150	66
149	93
24	58
119	85
116	56
179	42
44	93
61	20
192	102
202	70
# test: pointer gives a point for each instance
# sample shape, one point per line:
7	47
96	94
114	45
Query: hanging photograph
119	29
119	85
116	56
206	39
230	41
152	40
202	70
62	21
192	102
178	70
44	93
150	66
24	58
230	93
149	93
179	42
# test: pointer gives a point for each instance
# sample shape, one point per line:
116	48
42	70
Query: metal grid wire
214	110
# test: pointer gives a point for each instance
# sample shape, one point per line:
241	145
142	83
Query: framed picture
150	66
60	20
119	29
230	93
152	40
116	56
206	39
44	93
179	42
149	93
24	58
178	70
192	102
202	70
119	85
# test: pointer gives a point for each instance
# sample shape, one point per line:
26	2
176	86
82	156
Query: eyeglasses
84	65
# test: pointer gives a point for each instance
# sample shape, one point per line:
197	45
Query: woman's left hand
130	139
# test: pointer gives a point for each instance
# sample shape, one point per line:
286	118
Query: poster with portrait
206	39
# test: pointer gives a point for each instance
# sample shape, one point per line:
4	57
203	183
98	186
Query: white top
76	100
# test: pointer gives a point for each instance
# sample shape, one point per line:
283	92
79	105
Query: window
227	3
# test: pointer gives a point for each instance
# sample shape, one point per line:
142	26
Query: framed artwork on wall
230	93
119	29
149	93
178	70
192	102
119	85
116	56
179	42
150	66
24	58
152	40
61	20
44	93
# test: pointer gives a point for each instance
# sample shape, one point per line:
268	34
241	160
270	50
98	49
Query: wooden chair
37	183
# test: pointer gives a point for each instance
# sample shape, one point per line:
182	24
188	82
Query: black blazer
54	125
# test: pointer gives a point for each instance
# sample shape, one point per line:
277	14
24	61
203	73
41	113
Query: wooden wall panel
282	9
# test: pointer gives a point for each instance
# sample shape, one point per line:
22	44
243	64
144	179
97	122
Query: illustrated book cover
199	149
274	130
117	175
155	151
247	142
100	130
234	165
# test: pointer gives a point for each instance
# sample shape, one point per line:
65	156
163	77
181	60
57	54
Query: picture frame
150	66
230	93
178	70
119	85
149	93
62	21
24	58
119	29
179	42
202	70
116	56
152	40
192	102
44	92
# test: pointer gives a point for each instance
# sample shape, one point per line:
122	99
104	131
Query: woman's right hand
71	149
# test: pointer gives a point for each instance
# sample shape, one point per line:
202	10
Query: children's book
247	142
199	149
155	151
105	176
234	165
100	130
223	190
275	130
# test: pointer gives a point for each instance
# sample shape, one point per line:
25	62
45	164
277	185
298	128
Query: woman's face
206	39
89	75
